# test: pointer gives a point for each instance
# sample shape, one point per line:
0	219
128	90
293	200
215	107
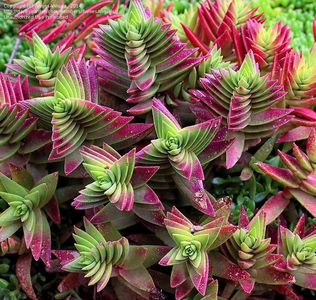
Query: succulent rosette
267	43
26	204
75	116
220	23
43	65
212	61
178	152
141	57
117	180
17	127
244	99
101	259
179	147
299	250
189	17
97	256
189	257
298	176
249	256
298	75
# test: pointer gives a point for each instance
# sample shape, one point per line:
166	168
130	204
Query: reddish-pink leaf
23	273
72	281
273	207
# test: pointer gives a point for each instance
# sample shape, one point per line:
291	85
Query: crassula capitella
18	128
97	257
269	44
141	57
298	73
248	257
219	22
101	260
213	60
298	176
26	204
119	181
178	152
75	117
189	257
139	154
299	250
246	101
43	65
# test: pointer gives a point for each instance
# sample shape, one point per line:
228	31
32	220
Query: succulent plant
299	175
252	254
177	151
298	15
216	88
189	257
299	250
76	118
267	43
220	23
244	99
17	127
97	256
212	61
177	146
248	246
100	260
189	17
298	77
117	180
25	209
141	57
43	65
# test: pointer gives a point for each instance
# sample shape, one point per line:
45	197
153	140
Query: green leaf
11	199
51	181
93	231
7	217
8	231
165	124
12	187
41	189
258	227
